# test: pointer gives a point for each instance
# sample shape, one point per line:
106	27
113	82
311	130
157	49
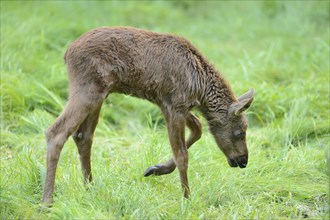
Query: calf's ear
243	103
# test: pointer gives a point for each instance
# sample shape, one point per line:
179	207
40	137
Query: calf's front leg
169	166
176	132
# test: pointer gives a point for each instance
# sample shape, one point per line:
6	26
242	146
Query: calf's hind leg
78	108
195	128
83	138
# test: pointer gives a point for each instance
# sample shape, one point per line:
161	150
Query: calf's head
230	136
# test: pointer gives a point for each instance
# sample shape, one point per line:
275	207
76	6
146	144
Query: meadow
280	48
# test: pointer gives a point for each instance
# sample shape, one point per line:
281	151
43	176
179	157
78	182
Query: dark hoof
153	170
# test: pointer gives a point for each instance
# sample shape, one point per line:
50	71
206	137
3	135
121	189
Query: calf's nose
242	161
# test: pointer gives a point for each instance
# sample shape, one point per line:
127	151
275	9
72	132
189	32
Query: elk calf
164	69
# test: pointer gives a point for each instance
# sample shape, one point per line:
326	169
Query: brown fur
162	68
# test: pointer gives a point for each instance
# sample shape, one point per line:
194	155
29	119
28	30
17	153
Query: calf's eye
239	134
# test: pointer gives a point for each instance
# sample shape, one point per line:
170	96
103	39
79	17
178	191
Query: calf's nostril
243	165
242	161
233	162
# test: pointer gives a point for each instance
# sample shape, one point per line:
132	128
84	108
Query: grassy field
280	48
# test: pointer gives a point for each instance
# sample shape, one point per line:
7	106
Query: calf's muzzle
240	161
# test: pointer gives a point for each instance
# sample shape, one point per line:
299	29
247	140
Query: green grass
281	48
